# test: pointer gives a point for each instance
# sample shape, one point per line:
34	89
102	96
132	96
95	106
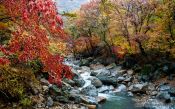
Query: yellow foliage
58	47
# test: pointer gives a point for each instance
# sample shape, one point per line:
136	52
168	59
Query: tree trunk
141	48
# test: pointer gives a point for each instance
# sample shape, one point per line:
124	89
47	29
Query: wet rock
130	94
154	93
129	79
89	100
79	82
164	96
109	80
76	98
96	82
101	72
89	91
120	88
49	102
155	104
103	89
85	68
138	88
172	91
101	99
164	88
120	79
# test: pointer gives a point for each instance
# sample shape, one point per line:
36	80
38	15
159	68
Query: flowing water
116	102
112	101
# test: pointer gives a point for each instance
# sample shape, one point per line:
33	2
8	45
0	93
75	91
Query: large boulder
89	91
108	80
96	82
138	88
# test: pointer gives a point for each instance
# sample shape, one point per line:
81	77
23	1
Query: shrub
15	83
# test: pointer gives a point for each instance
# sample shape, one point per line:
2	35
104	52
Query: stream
113	101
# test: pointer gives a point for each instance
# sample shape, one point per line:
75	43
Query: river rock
120	78
89	91
128	79
85	68
109	80
103	89
45	88
138	88
89	100
44	81
96	66
75	96
154	93
84	62
49	102
120	88
130	72
101	72
96	82
111	66
172	91
164	96
75	72
101	99
91	106
130	94
69	81
79	81
164	88
63	99
155	104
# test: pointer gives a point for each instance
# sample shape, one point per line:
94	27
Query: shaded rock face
89	91
108	80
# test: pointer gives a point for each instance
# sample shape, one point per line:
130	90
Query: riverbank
99	86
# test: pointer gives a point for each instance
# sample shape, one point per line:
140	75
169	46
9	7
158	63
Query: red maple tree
35	22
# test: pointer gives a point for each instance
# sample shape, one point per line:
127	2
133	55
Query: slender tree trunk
141	48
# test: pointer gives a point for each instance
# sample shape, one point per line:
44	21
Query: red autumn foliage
36	21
